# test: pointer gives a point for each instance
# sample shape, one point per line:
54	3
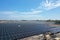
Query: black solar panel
12	31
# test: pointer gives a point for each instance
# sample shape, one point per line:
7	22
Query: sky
29	9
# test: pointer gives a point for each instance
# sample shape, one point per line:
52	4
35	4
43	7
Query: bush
57	22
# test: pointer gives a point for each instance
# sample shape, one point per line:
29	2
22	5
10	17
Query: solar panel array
12	31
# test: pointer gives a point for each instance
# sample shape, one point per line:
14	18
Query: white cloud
32	12
24	17
20	15
50	4
7	12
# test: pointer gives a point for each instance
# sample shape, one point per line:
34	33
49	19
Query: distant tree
37	20
24	20
49	20
57	22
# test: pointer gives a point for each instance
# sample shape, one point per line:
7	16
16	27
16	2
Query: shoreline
54	25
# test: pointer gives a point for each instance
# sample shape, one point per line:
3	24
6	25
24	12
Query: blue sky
29	9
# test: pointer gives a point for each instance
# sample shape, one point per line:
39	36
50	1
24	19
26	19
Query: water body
11	31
